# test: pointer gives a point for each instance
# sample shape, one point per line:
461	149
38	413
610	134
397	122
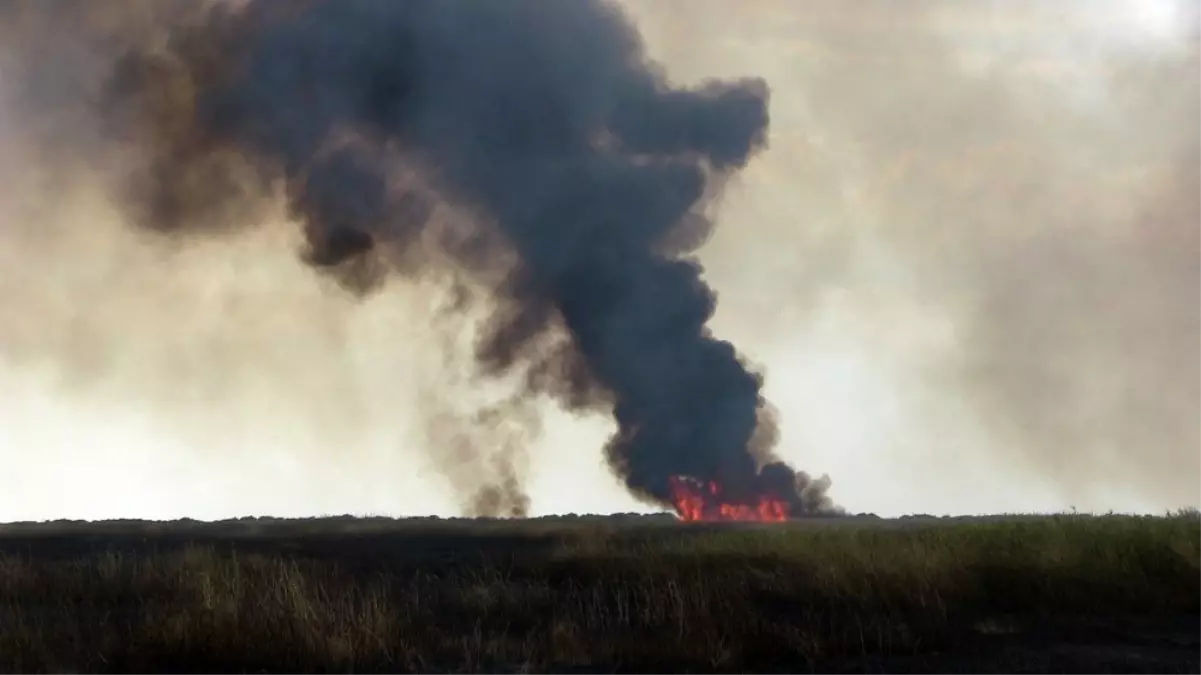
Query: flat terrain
1068	593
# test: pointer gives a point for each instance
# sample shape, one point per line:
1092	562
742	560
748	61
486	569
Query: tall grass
980	596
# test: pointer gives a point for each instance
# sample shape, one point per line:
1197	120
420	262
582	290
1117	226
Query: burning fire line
697	500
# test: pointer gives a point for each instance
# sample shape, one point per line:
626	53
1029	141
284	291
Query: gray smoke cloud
1003	196
576	185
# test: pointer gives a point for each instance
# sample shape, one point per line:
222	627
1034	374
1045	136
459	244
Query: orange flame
697	501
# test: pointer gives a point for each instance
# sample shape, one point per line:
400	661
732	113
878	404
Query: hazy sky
969	263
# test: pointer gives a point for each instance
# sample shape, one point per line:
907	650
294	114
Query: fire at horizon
697	500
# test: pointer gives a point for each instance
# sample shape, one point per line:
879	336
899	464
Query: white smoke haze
968	263
990	209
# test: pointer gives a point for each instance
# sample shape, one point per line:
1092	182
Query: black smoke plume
584	179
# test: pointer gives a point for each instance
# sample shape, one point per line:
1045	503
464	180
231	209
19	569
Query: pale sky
968	263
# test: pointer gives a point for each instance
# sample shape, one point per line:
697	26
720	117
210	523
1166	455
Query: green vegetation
1046	594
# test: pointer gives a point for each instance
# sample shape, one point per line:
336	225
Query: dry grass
1048	594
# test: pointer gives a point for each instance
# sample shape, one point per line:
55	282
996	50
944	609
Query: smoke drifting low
529	147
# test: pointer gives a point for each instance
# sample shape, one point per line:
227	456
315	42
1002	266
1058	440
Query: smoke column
529	146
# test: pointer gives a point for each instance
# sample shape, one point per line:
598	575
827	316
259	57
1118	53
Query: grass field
1068	593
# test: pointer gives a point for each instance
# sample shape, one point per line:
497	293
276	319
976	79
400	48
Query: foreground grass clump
1034	594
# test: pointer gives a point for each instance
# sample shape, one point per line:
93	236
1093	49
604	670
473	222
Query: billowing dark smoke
582	176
